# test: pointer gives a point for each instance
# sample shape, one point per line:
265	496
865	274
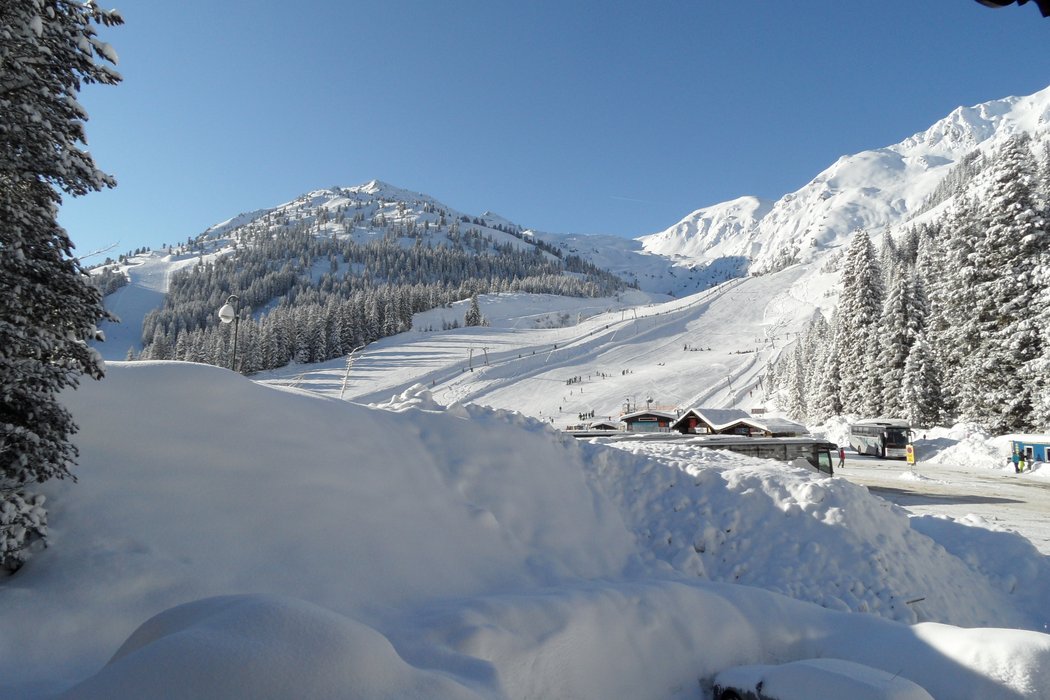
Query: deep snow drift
289	541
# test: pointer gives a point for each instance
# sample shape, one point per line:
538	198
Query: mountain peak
876	190
374	187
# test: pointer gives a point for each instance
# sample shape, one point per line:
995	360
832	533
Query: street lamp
228	313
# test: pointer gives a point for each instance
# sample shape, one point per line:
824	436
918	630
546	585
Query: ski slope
708	349
149	276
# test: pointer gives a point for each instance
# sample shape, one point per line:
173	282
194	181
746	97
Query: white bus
882	437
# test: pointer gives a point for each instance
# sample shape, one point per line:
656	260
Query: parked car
812	679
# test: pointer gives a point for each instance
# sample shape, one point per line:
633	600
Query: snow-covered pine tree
908	248
827	399
860	306
1006	258
473	316
888	257
771	380
951	278
48	308
1038	369
819	347
898	328
793	402
920	386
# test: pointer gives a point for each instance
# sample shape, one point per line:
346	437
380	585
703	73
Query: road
1019	502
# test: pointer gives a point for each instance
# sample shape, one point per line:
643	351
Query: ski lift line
576	345
707	397
349	364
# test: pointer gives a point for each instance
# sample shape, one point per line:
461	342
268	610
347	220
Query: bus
786	449
816	451
882	437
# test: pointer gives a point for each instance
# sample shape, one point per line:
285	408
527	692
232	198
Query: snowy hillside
872	190
876	190
361	211
227	539
707	349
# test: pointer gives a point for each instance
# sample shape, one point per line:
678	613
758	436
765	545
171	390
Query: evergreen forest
315	281
948	322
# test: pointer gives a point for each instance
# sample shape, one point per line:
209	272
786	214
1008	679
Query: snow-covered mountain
374	208
878	190
874	190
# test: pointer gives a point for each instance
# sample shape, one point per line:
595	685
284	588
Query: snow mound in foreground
261	647
479	543
666	639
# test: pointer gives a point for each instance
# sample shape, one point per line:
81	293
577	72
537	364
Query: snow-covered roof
650	412
722	418
1031	437
776	424
717	418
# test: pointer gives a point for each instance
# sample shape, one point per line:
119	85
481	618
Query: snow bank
195	482
1011	563
655	639
965	445
468	552
725	517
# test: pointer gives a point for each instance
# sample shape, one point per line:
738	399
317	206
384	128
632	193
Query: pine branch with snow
48	49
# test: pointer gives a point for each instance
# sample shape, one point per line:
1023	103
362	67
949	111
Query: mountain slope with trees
950	321
337	269
941	312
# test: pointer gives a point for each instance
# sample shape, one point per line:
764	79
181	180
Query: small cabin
605	425
648	421
734	421
1035	448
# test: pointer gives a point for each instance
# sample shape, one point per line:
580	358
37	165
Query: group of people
1019	462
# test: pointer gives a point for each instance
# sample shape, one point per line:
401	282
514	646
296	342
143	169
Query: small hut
648	421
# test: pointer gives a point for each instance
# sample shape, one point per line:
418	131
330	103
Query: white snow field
232	539
707	349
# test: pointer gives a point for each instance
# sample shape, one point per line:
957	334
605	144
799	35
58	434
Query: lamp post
229	313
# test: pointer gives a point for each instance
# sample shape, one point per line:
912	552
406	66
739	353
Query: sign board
909	453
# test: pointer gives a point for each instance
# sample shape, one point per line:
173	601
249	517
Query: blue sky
564	116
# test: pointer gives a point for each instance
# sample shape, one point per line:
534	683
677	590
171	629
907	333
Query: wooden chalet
734	421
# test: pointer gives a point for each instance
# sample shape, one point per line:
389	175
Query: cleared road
1019	502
